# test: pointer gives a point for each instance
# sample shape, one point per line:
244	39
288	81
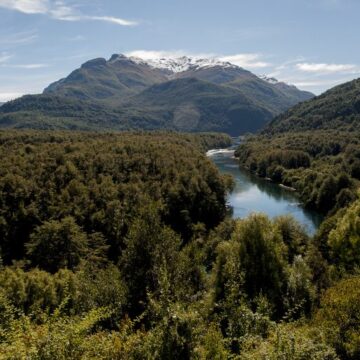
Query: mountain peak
94	63
116	57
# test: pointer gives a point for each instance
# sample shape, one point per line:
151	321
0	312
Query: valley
252	194
133	227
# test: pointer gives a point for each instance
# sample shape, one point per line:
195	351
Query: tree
339	315
327	193
57	244
252	263
344	239
149	248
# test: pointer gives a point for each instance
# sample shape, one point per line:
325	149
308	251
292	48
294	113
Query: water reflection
252	194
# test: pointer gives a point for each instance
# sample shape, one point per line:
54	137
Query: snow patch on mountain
270	80
182	63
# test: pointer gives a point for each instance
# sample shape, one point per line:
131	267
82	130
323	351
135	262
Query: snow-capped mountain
182	63
178	92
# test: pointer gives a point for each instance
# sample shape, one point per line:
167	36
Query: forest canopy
118	246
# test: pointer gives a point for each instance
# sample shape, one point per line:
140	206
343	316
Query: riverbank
253	194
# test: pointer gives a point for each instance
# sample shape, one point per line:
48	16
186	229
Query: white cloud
26	6
314	83
28	66
76	38
249	61
111	19
7	96
158	54
4	57
314	76
325	68
4	63
59	10
18	38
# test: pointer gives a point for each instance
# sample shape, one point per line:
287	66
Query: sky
313	44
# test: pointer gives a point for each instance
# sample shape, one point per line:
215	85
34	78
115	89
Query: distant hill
338	108
183	94
46	112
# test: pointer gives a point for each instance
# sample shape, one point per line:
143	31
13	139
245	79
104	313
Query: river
252	194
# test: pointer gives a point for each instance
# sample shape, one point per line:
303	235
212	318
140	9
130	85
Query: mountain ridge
185	94
273	95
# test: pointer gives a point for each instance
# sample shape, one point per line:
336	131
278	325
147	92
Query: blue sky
310	43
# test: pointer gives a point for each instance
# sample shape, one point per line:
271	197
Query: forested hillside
97	182
338	108
117	246
323	166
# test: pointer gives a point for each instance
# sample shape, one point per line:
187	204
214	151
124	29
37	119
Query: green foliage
148	248
344	239
301	294
339	315
37	293
290	342
83	188
57	244
318	164
58	338
293	235
260	253
264	261
116	246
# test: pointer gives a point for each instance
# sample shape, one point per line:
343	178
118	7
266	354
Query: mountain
109	81
275	96
338	108
190	104
114	80
181	104
186	94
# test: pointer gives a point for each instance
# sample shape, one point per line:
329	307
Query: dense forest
118	246
323	165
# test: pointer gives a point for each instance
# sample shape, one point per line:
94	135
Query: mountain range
186	94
